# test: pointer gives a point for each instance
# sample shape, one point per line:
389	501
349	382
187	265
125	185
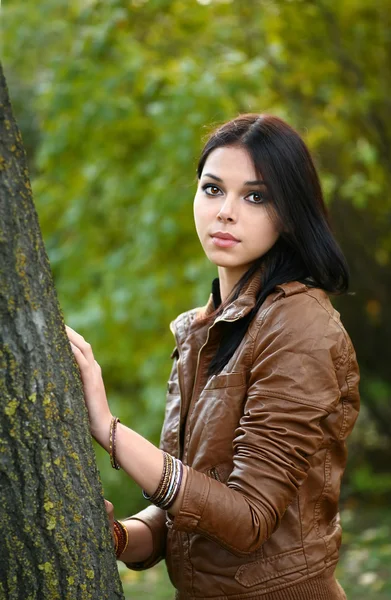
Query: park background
113	99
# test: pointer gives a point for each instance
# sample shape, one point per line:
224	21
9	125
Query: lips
224	240
224	236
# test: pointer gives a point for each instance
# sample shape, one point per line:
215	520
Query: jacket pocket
226	380
263	570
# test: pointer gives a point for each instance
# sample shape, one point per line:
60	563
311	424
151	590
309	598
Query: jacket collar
237	308
247	299
234	310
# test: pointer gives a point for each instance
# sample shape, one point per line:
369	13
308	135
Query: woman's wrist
144	463
101	431
140	542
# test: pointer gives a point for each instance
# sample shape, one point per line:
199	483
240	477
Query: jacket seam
273	394
259	321
349	372
332	317
337	364
224	543
344	419
342	358
258	580
269	559
184	513
301	531
192	569
327	479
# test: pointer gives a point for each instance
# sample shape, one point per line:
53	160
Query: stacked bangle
169	485
170	481
121	538
113	431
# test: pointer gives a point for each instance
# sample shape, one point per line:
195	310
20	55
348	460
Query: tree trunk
55	541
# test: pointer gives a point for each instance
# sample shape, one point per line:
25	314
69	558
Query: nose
226	213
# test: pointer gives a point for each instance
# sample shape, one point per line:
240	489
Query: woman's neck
228	278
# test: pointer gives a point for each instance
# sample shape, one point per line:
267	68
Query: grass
364	570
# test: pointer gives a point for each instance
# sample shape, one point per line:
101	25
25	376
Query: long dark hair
306	250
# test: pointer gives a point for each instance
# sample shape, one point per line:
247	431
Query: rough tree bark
55	541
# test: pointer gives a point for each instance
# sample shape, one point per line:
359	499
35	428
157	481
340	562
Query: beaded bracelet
169	485
121	537
158	496
113	430
163	480
174	488
177	486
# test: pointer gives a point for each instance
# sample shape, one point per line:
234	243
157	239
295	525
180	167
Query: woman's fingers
110	514
77	340
79	356
73	335
94	390
109	508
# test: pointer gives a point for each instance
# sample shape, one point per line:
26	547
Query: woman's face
231	199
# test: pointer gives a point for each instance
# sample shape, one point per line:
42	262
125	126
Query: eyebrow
255	182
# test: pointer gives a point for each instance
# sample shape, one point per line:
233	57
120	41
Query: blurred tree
55	539
113	96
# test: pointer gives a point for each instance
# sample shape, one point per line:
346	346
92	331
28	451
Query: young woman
262	394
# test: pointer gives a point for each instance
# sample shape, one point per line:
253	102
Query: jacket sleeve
293	386
155	519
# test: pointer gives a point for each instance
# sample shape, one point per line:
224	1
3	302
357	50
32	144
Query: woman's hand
110	514
94	389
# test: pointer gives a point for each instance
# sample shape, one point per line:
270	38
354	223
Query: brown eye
211	190
256	197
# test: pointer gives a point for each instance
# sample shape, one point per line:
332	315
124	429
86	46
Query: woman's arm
147	529
147	538
141	460
140	547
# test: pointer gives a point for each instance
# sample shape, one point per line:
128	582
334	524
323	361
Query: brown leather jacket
264	442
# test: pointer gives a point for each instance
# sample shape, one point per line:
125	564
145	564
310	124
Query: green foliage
364	569
113	97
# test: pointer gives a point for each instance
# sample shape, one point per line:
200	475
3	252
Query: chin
226	264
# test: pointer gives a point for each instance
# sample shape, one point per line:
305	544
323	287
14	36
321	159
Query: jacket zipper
196	373
181	390
214	473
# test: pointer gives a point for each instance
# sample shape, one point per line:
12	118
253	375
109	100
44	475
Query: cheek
264	234
196	211
270	235
202	211
200	216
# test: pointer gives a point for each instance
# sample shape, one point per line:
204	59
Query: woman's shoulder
299	303
187	321
307	313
